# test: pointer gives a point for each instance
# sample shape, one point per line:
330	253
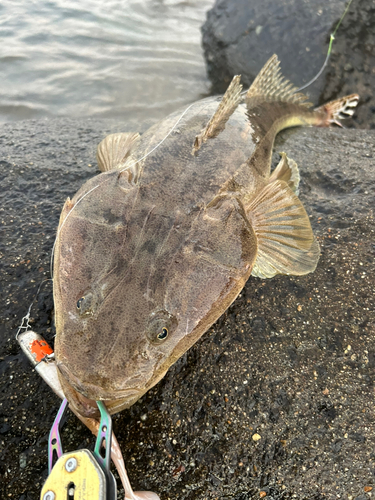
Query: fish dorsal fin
270	85
286	244
287	171
114	150
227	106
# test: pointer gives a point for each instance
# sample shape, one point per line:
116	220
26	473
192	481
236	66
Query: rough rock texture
240	35
277	397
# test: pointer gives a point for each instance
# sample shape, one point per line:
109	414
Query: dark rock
4	428
240	35
357	437
303	380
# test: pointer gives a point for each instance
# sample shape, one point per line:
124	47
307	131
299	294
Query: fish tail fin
334	111
270	85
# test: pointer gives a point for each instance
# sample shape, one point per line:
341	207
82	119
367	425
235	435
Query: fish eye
87	304
160	326
79	302
163	334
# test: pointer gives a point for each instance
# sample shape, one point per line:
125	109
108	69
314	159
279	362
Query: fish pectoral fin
287	171
270	85
115	149
225	109
286	244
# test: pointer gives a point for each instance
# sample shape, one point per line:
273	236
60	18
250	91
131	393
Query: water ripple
132	58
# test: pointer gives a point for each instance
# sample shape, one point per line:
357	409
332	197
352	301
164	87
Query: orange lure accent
40	349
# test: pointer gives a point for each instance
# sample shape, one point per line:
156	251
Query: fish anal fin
115	149
286	244
287	171
337	110
226	108
270	85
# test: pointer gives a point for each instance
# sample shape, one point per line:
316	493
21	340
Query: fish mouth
83	396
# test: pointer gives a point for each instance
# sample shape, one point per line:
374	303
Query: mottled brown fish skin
152	247
164	246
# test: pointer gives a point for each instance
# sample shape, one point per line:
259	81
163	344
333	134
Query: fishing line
25	325
63	222
332	37
161	142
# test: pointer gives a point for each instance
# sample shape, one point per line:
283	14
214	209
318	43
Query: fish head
113	331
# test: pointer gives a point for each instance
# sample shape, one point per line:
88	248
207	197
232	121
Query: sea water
135	58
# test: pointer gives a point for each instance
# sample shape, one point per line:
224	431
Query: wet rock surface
277	398
239	36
